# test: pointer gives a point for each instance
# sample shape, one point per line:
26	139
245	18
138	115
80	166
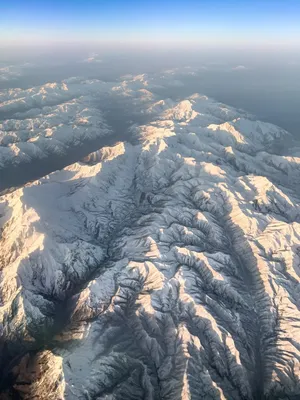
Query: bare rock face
166	269
39	376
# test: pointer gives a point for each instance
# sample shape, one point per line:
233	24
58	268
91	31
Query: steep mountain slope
168	269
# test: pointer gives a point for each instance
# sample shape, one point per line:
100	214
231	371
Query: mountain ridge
167	268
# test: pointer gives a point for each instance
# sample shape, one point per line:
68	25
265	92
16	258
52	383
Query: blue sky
160	21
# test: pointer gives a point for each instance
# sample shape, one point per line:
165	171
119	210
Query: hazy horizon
249	51
263	83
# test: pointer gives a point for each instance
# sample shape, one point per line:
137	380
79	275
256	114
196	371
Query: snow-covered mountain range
48	127
161	268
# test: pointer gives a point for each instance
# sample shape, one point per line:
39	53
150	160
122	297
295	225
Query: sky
258	23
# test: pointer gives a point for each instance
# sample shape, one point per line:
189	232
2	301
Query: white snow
176	256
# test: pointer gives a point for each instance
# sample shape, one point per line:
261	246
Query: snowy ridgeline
168	269
48	120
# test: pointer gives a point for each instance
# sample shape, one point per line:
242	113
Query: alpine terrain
163	266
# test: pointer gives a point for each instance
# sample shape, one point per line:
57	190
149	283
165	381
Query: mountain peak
164	267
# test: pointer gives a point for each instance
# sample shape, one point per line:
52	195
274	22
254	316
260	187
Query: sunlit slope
168	269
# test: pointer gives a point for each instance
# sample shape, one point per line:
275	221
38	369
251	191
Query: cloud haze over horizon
246	52
207	23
